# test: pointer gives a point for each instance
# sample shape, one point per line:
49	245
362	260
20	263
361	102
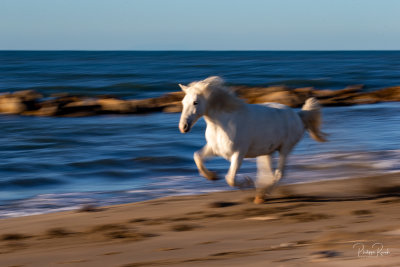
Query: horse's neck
219	118
213	120
222	107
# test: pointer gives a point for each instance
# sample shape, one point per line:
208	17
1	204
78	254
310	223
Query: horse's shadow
373	193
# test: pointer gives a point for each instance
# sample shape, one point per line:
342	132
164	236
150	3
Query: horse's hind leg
281	166
267	180
199	157
265	177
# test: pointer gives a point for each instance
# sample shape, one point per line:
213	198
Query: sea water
51	164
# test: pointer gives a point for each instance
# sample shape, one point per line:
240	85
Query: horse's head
194	106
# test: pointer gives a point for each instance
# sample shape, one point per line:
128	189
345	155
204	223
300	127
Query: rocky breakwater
33	103
352	95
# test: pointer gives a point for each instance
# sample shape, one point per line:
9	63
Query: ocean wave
104	162
161	159
29	182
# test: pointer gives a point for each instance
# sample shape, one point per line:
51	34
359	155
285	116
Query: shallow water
51	164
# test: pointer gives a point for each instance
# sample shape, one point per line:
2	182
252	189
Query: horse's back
272	112
274	105
274	125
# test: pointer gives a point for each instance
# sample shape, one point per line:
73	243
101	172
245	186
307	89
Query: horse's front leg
199	157
236	162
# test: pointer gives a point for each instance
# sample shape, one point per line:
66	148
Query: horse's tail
310	114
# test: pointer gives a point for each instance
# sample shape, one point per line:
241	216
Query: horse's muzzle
184	128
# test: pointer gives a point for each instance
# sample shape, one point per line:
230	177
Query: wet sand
353	222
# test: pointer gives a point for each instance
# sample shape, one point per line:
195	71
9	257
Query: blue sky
199	25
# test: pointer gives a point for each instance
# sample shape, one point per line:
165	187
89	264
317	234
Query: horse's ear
183	87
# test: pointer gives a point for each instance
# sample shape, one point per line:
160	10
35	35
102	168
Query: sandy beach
353	222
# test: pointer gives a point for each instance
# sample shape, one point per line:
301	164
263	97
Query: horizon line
197	50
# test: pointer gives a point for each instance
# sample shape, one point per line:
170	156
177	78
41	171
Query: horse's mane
219	97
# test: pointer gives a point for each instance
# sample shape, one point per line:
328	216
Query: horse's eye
195	103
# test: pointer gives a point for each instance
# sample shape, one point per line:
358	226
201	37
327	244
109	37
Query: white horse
236	130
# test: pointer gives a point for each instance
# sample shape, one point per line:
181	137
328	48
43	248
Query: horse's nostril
184	127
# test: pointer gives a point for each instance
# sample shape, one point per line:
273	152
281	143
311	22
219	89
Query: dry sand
316	224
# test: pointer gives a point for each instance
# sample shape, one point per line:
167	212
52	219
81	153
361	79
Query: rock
288	98
174	96
296	97
387	94
175	107
320	94
79	109
305	92
147	105
113	105
18	102
353	96
252	94
66	106
59	102
45	111
10	104
28	95
166	103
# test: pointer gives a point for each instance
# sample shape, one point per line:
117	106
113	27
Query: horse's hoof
212	176
258	200
230	182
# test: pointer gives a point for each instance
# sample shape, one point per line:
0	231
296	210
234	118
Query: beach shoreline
323	223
